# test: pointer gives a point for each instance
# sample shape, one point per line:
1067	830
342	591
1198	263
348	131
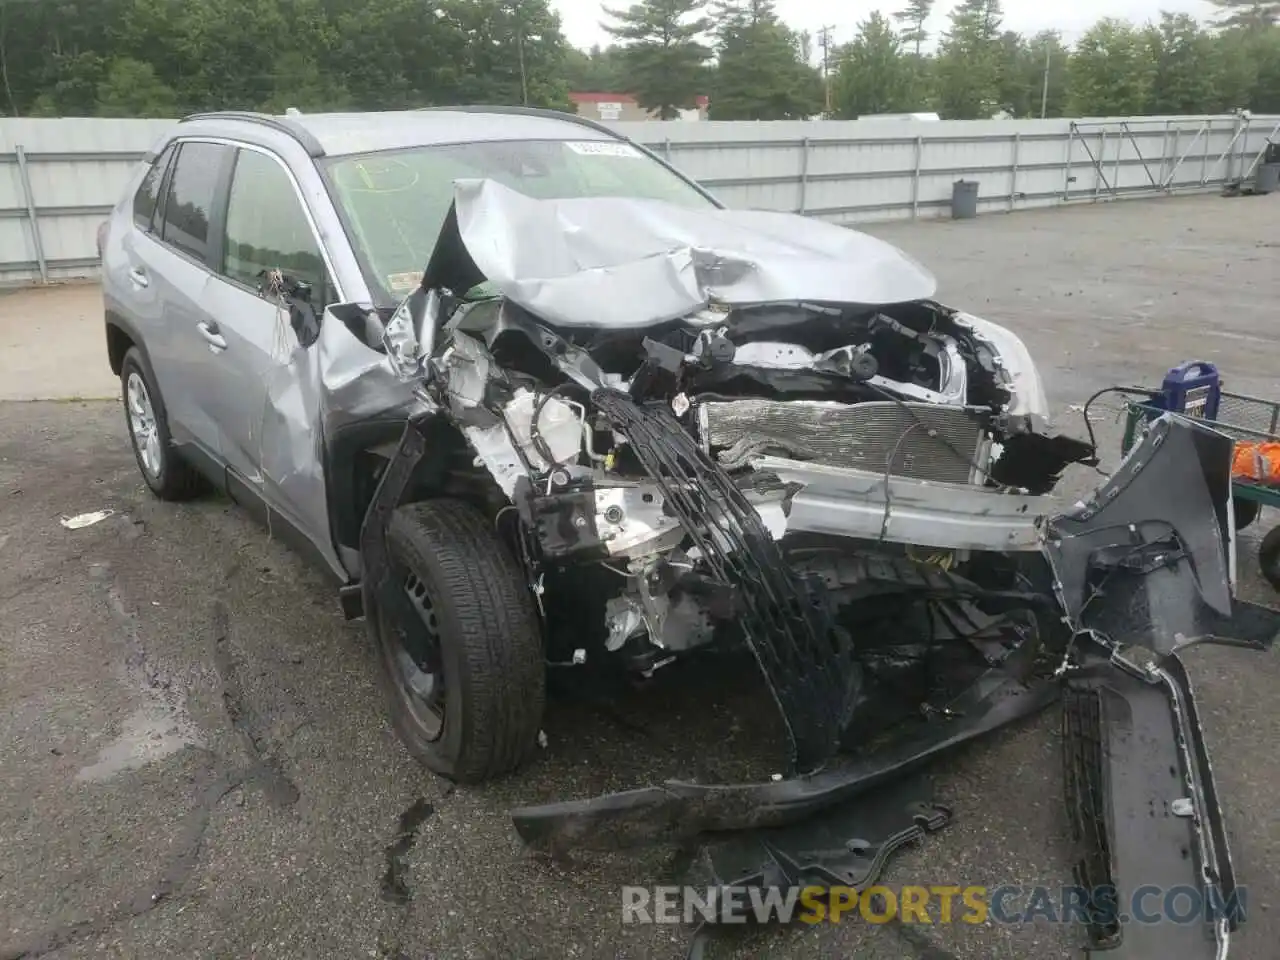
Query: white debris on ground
82	520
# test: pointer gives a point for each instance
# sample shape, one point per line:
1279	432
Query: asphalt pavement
195	760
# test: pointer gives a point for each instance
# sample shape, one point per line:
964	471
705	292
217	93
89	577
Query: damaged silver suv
534	398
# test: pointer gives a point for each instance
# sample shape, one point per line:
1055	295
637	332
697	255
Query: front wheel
460	649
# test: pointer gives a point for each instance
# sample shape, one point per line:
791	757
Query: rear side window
147	198
190	198
268	230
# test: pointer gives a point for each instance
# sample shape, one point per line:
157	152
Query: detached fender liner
677	811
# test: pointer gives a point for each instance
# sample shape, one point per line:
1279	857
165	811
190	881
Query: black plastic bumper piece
1145	813
677	811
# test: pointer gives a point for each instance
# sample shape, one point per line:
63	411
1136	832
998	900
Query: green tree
512	53
761	74
1250	14
969	61
1111	71
913	18
130	88
872	74
1185	77
598	70
299	82
664	54
1045	54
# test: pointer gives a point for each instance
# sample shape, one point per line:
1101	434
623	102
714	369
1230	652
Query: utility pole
824	38
517	12
1044	94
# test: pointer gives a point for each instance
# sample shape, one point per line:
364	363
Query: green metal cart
1243	418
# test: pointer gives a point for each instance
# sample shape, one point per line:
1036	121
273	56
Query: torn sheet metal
867	505
313	392
627	262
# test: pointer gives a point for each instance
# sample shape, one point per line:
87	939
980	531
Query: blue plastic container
1192	389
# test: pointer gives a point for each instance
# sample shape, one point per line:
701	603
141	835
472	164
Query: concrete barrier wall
60	177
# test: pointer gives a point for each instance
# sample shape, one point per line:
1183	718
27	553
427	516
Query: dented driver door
267	422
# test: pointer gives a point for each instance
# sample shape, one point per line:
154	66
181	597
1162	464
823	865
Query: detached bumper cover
679	811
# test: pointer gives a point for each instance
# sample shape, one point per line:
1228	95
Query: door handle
212	334
139	277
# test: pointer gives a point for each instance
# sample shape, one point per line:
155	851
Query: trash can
1267	177
964	200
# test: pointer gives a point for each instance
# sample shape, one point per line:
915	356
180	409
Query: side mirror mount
305	323
302	315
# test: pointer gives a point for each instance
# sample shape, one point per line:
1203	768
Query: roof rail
532	112
284	124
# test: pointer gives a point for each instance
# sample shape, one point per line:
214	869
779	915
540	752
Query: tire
479	616
1269	557
162	467
1246	511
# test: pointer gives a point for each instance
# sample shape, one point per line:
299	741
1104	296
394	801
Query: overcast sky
1072	17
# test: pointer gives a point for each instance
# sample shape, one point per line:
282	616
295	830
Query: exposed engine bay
843	489
744	432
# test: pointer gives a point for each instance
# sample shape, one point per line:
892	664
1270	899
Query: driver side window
267	230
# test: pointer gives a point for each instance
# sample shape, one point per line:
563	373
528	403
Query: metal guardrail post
31	213
1013	179
804	176
1164	152
915	179
666	149
1115	175
1208	145
1098	175
1066	176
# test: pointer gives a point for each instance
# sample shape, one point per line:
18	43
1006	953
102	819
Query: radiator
926	441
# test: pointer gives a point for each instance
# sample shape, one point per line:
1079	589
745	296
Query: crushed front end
721	445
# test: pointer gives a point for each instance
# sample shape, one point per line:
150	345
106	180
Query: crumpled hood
624	262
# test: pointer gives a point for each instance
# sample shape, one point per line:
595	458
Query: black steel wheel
459	643
1269	557
1246	511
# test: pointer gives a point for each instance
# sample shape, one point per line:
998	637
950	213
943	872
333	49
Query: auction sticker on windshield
603	148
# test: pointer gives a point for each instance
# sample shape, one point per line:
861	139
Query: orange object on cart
1258	462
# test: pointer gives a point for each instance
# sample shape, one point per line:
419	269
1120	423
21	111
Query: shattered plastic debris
81	520
542	739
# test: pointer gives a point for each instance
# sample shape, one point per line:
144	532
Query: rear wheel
165	472
1269	557
460	646
1246	511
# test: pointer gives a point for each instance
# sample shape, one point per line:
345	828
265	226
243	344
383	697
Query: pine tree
761	73
661	41
969	61
1250	14
914	16
874	76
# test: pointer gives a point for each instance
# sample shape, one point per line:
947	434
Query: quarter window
267	229
147	198
190	197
